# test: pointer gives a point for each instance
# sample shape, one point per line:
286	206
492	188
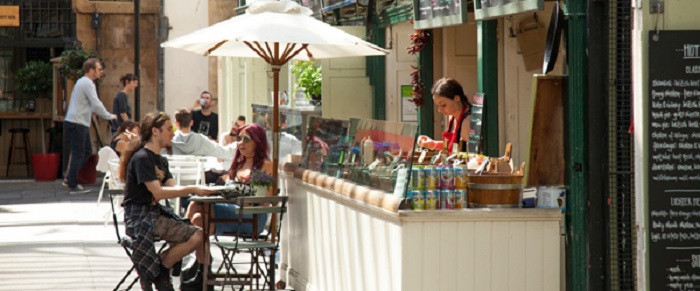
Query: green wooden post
376	71
425	112
577	166
487	62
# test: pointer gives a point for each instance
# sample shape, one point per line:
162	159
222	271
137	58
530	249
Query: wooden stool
24	146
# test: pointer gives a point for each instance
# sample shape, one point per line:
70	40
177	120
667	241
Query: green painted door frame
376	72
425	112
487	62
576	145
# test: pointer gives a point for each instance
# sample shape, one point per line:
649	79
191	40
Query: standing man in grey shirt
83	103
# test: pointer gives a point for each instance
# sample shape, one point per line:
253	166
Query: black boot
163	282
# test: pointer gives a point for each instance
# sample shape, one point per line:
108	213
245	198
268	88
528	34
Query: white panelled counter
342	236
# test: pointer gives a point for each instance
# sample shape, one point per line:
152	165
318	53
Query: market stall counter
353	221
343	236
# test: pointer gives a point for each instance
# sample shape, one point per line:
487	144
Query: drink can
417	199
432	178
461	198
447	199
432	199
447	177
460	177
417	178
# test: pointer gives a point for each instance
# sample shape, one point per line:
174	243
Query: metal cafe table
211	279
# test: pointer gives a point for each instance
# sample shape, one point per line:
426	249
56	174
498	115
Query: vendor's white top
267	22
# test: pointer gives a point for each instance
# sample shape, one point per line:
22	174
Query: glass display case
365	151
293	121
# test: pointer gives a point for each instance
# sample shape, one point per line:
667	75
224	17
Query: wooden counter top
25	115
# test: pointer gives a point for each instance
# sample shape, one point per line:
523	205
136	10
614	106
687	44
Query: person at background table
227	138
205	122
186	142
450	100
83	103
148	180
128	131
121	106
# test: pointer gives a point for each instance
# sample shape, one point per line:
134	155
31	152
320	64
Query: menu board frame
673	144
429	14
475	144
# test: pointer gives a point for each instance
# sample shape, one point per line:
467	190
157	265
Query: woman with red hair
252	155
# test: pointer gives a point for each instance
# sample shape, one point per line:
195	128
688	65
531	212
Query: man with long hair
148	180
83	103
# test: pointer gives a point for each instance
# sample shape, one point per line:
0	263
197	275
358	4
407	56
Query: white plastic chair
105	154
186	170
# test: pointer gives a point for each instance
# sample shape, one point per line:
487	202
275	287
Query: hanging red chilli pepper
419	40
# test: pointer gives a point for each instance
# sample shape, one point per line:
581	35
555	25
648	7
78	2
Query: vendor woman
450	100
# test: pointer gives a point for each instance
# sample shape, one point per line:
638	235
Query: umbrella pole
275	139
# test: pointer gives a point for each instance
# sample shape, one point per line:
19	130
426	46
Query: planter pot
88	173
260	191
45	166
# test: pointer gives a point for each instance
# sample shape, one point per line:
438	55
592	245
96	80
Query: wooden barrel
495	190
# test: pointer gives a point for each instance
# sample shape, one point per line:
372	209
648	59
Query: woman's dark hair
449	88
126	125
151	121
127	78
258	135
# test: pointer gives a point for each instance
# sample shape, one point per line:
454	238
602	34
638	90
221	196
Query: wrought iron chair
259	246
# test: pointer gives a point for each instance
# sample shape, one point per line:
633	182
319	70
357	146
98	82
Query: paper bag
532	37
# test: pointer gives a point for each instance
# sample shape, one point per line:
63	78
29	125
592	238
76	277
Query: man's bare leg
178	251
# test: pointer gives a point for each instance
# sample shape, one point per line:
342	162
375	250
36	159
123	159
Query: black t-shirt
121	105
206	125
144	166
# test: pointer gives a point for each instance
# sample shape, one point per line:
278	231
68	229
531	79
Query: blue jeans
78	138
228	211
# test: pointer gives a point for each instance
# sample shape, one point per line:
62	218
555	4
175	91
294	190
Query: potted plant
308	76
72	63
34	80
260	181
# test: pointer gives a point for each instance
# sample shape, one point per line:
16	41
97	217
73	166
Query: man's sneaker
78	190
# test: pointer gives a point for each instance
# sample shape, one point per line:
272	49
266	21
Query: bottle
367	151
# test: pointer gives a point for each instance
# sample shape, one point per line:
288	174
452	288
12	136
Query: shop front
41	30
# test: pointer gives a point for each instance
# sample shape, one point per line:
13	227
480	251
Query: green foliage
308	76
72	62
36	78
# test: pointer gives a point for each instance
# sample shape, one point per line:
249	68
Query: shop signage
408	108
9	15
438	13
674	160
490	9
331	5
475	140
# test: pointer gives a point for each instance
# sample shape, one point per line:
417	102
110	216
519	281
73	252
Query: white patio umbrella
277	31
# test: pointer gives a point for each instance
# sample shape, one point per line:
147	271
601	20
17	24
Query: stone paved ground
50	240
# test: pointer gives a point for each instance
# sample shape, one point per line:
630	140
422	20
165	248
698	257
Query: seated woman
128	131
252	154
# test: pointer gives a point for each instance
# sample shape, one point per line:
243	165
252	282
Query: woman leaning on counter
450	100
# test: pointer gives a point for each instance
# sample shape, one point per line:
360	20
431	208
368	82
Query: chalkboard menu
475	140
438	13
674	160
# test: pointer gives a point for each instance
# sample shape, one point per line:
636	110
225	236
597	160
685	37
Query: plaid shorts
173	231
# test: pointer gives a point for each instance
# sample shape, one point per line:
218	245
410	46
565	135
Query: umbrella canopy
277	31
283	22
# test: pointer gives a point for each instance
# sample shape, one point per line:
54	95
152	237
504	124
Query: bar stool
24	146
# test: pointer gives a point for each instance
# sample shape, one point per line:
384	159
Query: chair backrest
105	154
115	183
187	172
272	205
